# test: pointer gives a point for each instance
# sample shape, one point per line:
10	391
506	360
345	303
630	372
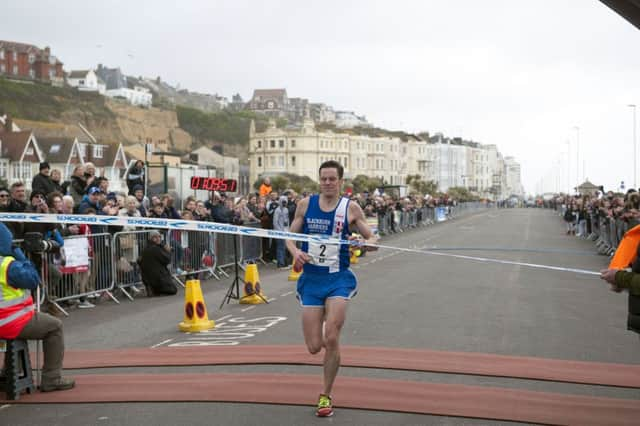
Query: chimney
47	51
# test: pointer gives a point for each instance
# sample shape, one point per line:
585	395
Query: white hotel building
301	150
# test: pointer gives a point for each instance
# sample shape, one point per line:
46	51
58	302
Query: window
81	82
293	143
29	151
280	143
259	161
259	144
1	53
82	150
32	73
54	149
15	56
3	69
32	58
98	151
272	161
3	169
293	160
22	171
15	70
272	143
281	161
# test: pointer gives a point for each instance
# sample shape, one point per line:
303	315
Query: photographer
153	264
18	318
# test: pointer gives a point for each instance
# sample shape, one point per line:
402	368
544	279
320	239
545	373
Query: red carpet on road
479	364
350	392
482	402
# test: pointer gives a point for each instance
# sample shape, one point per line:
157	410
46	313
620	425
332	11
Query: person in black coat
42	182
153	264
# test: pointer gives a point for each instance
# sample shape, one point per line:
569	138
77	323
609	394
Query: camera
34	243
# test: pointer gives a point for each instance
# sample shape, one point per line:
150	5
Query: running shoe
324	406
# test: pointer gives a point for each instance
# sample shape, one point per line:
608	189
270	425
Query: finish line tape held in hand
224	228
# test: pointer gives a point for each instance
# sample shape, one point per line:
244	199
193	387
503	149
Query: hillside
44	103
52	111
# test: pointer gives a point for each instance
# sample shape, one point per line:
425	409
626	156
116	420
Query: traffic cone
296	271
195	311
355	253
252	291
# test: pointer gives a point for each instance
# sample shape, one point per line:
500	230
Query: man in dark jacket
42	182
155	258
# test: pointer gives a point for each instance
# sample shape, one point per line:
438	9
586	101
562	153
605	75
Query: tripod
234	289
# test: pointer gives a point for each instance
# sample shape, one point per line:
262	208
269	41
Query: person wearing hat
92	199
42	181
154	261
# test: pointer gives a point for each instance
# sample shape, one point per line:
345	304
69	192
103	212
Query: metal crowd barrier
83	268
193	253
127	248
226	253
250	247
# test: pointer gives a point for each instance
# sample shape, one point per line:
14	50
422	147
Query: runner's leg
312	318
336	311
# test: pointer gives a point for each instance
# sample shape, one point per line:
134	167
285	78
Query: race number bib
323	254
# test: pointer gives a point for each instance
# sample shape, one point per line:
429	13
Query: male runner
327	283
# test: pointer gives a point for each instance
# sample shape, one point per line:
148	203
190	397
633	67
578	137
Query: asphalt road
405	301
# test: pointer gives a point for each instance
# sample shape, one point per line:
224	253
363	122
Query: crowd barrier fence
97	264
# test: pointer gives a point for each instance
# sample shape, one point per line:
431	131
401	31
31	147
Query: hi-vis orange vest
16	304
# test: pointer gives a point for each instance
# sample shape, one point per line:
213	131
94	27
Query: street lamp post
635	156
577	129
568	142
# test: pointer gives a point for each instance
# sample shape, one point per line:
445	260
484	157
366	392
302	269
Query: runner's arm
358	221
296	226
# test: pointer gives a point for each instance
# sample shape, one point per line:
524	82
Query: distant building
86	81
321	113
237	103
26	61
118	87
272	102
349	120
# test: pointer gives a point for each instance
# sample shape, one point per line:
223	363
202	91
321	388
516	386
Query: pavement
406	301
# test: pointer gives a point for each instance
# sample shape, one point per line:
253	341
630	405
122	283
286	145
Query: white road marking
247	309
3	407
161	343
286	294
221	318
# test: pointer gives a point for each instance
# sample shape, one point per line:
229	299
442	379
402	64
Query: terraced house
28	62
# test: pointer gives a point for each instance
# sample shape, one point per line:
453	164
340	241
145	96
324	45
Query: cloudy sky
523	75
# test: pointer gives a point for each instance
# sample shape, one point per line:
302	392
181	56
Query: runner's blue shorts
315	289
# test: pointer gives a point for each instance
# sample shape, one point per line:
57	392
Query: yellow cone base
195	311
254	299
353	260
293	275
196	327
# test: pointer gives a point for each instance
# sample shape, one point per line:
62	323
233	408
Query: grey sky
519	74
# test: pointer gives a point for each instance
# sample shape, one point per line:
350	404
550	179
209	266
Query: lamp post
568	142
577	129
635	157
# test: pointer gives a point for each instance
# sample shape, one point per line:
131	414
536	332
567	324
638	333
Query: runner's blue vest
326	258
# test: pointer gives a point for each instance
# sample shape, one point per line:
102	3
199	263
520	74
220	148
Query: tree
285	181
362	183
420	186
461	194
